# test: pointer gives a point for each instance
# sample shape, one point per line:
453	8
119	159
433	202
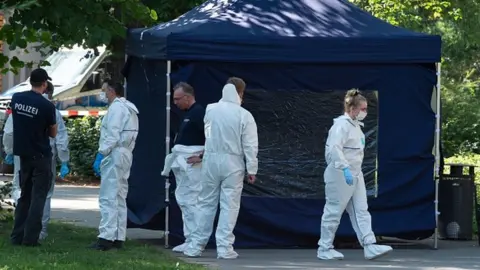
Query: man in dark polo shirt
191	129
188	142
34	123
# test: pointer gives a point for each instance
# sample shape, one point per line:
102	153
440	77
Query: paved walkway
448	257
80	206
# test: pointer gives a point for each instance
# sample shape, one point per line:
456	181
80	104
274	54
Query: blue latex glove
8	159
348	176
96	164
64	170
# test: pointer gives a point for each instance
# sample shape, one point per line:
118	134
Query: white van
77	75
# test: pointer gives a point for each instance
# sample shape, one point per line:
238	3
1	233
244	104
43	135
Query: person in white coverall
231	146
60	149
118	134
344	182
188	142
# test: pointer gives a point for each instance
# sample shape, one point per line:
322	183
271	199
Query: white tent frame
167	151
435	107
437	149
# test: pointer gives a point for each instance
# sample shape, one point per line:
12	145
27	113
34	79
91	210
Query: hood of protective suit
347	118
129	104
229	94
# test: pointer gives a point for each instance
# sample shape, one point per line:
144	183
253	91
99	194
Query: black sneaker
118	244
34	244
102	244
16	241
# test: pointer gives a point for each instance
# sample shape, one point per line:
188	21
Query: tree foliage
456	21
53	23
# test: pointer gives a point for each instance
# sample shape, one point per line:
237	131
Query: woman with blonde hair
344	182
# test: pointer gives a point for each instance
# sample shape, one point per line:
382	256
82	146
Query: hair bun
353	92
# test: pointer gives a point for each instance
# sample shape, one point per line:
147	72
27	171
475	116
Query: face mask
103	97
45	96
361	115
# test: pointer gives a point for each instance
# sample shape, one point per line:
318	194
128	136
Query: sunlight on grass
66	249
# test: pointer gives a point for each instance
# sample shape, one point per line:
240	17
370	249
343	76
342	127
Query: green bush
6	208
84	133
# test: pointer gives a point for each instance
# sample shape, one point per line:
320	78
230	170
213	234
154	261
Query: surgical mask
103	97
361	115
45	96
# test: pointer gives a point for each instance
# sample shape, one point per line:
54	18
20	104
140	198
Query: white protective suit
118	134
344	149
231	141
188	178
59	146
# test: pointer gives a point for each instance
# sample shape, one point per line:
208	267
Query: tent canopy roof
313	31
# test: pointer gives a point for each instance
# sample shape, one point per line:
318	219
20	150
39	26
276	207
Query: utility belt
35	157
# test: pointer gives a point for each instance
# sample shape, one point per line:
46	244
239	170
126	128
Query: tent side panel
146	82
406	123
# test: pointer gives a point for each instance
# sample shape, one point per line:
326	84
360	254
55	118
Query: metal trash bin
456	193
477	211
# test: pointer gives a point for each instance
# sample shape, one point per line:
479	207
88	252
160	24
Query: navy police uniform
191	129
33	115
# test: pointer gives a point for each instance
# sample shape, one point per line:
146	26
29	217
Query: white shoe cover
179	248
373	251
189	252
330	254
42	236
227	255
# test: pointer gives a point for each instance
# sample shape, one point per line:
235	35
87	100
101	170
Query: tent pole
125	79
167	151
437	151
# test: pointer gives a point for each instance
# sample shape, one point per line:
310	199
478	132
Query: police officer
34	121
60	149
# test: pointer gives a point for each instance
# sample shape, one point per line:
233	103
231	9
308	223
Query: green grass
65	249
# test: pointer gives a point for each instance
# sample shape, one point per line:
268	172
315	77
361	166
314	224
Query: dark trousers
35	182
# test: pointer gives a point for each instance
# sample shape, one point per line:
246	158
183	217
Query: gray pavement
447	257
79	205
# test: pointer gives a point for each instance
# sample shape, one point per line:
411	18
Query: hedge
84	133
